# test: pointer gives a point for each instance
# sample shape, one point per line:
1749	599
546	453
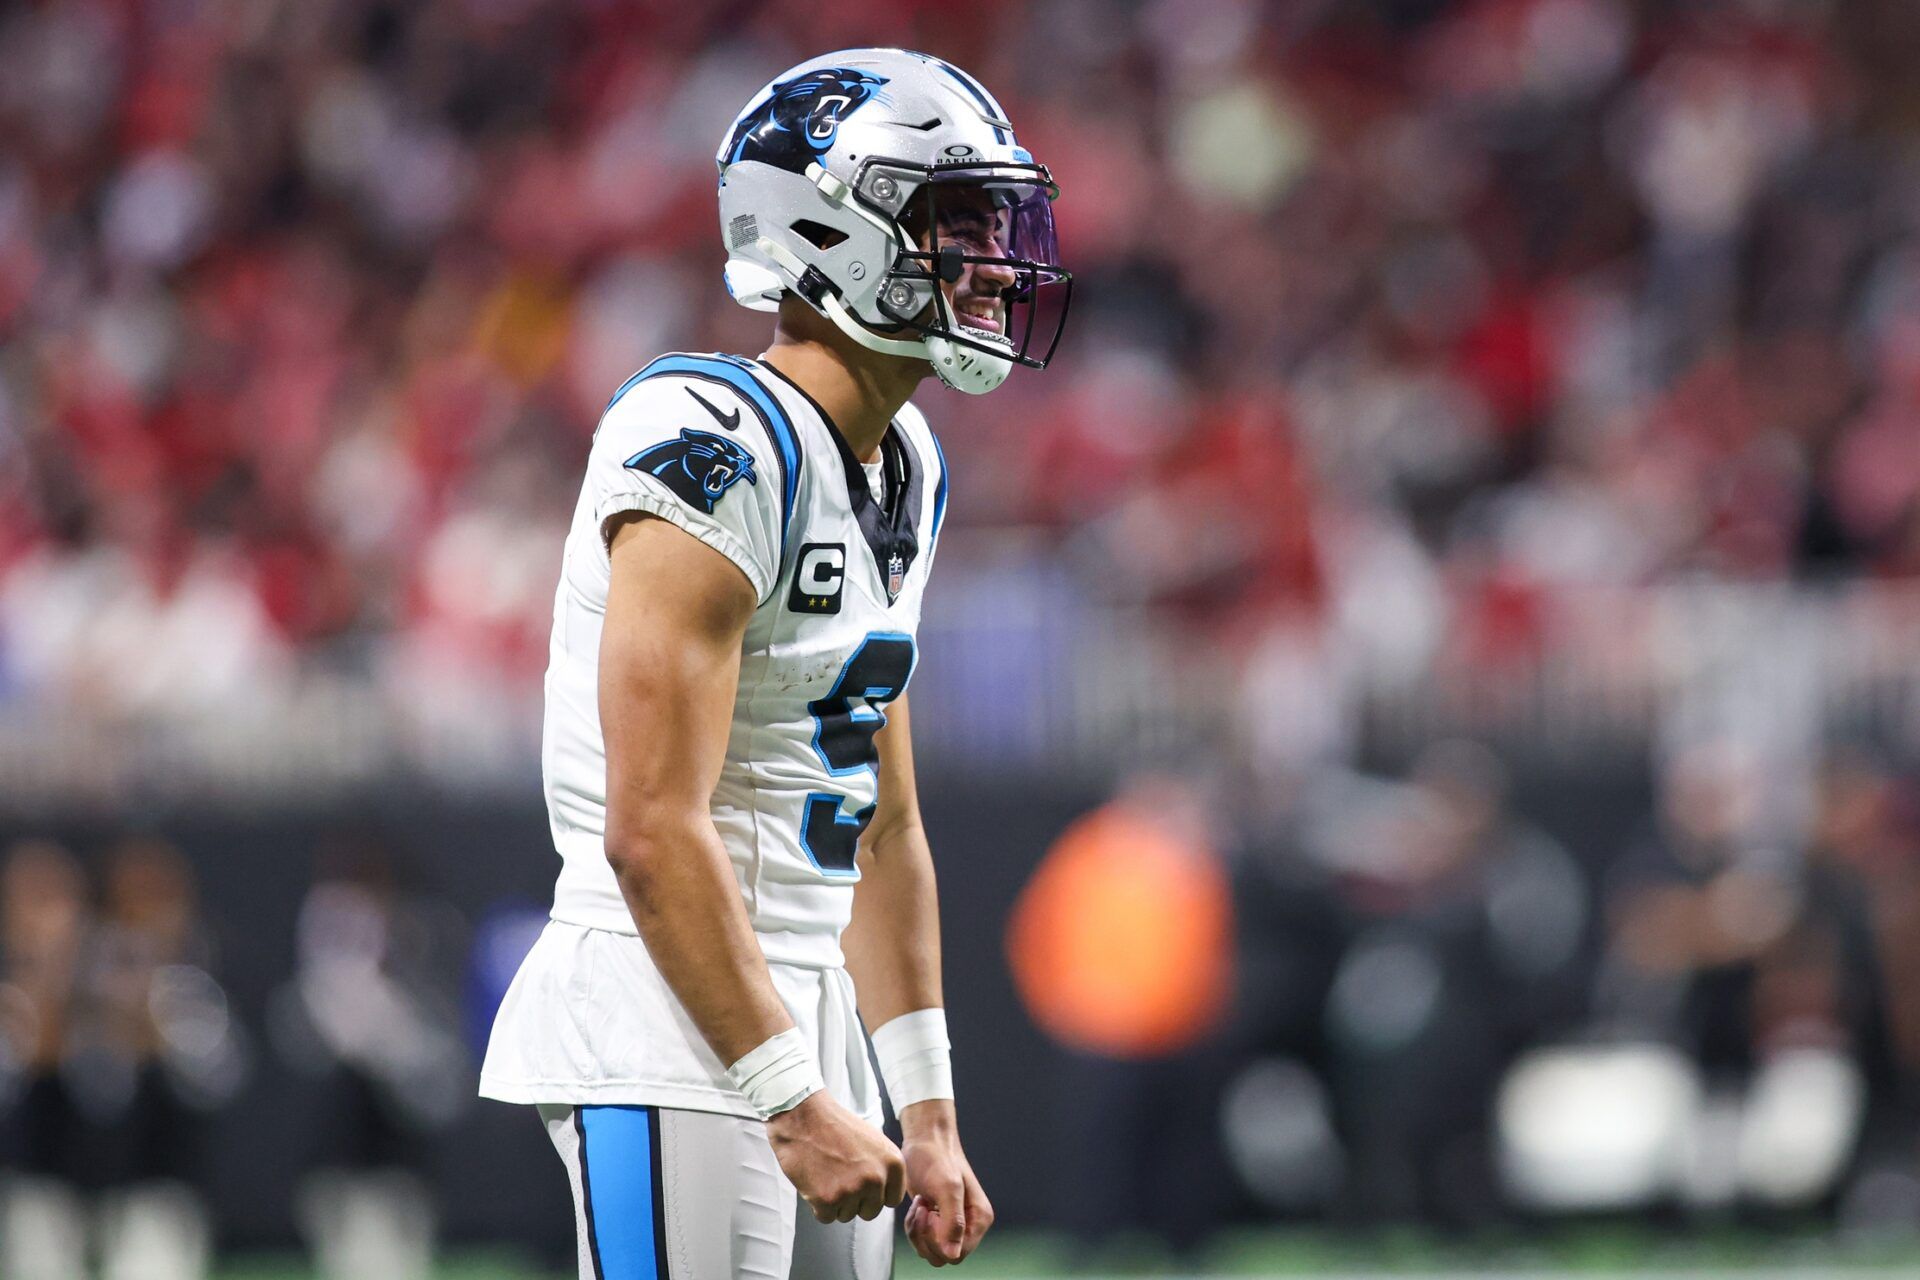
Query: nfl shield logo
896	575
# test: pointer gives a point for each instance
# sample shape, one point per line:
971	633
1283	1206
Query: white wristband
779	1075
915	1057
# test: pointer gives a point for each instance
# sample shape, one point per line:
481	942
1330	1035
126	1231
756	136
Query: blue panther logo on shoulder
796	124
699	466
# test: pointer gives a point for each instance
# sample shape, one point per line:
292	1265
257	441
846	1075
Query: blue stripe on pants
620	1181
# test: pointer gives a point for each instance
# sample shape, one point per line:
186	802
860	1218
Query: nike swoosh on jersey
731	421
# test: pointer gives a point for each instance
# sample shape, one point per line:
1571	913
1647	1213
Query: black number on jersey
844	724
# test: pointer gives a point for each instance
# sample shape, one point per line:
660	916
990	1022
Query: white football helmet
827	180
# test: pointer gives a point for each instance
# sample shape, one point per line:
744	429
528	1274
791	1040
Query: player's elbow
639	843
629	855
895	835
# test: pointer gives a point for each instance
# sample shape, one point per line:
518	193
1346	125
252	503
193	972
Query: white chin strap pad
752	285
968	370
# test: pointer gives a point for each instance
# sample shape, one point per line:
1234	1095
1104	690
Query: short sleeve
695	451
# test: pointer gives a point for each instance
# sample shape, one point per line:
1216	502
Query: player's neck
859	391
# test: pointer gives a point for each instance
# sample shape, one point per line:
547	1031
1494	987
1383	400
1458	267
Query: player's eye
969	229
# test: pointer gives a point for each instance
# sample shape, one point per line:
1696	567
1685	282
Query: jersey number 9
844	725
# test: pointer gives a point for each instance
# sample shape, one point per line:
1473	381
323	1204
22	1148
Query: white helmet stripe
995	113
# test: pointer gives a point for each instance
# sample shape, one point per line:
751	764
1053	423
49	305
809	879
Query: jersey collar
890	529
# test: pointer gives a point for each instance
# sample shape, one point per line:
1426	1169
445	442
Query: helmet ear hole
817	234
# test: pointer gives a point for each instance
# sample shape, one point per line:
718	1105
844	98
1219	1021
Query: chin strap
955	364
829	304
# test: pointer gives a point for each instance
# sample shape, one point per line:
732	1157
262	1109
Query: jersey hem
587	918
630	1093
635	1094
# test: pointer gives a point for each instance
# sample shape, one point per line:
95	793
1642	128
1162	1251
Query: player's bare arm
892	947
669	666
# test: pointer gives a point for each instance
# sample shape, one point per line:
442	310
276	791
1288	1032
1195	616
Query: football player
728	771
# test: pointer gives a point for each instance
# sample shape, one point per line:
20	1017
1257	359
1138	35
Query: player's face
975	221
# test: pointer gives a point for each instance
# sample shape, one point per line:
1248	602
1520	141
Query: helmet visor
1020	225
992	224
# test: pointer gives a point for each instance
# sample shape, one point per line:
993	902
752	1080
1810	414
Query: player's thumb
953	1214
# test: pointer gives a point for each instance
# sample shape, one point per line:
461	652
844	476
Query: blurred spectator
1695	906
1852	974
1467	925
161	1011
364	1021
1748	1002
1703	915
120	1044
1121	948
44	919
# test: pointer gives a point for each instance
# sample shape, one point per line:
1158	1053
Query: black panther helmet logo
798	121
699	466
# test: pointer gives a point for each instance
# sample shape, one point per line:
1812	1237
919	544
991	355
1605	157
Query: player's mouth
986	321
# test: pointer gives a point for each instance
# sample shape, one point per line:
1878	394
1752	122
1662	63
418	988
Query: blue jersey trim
939	490
625	387
735	375
621	1191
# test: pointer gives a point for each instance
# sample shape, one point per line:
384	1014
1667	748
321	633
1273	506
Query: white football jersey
733	453
736	455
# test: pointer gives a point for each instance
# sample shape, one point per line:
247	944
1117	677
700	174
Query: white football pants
664	1194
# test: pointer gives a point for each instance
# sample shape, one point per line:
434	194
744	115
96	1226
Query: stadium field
1596	1255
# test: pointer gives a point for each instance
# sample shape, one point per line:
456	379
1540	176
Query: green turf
1570	1254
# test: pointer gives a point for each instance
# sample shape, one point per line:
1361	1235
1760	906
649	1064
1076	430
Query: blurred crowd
1397	324
1442	1012
1437	995
114	1039
122	1058
1391	313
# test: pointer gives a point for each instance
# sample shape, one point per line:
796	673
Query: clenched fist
843	1167
949	1212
